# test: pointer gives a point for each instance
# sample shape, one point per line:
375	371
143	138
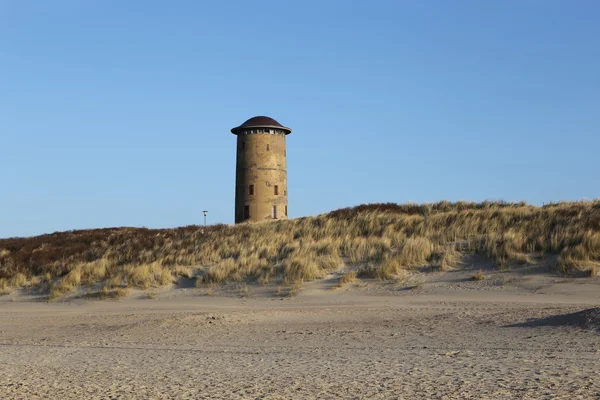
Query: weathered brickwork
261	191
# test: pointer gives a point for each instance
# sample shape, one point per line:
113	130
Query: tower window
276	190
286	211
246	212
267	147
274	212
243	145
251	190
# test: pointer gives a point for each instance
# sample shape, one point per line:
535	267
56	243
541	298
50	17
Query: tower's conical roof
260	122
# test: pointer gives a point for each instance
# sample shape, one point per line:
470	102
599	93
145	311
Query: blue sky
117	113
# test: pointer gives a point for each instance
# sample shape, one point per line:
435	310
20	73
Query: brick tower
260	173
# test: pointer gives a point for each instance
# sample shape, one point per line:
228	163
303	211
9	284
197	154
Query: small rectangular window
276	190
251	190
274	212
267	147
286	211
246	212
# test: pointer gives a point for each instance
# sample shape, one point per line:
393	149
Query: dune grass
382	240
106	293
347	278
4	288
479	276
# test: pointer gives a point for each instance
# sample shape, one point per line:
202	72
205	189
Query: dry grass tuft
4	288
72	279
447	258
115	282
222	271
244	290
19	280
105	293
186	272
583	256
279	290
302	268
146	276
479	276
415	252
118	293
264	278
295	288
374	271
59	289
347	278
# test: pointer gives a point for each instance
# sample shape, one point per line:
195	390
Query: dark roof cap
260	122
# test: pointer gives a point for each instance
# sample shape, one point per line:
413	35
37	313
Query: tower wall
261	176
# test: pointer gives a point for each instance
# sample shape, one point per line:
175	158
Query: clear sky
117	113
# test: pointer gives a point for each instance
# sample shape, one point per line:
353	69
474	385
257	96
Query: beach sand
442	338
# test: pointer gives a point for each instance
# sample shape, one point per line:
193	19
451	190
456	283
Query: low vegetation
105	293
382	241
347	278
479	276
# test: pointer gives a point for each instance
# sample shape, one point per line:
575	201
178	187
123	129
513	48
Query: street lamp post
205	212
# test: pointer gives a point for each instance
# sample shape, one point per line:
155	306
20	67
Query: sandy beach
465	340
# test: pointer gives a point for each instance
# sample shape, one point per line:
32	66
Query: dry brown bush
383	240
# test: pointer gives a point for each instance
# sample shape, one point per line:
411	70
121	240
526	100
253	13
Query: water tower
260	173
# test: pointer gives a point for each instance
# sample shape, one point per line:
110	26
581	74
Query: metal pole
205	212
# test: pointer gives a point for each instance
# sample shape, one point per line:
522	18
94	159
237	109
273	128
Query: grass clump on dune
4	288
382	240
106	293
347	278
583	255
479	276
